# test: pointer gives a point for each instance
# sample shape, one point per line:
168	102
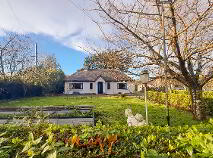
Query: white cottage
101	81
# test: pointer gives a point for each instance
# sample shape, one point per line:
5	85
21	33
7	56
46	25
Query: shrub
16	89
44	140
11	89
181	99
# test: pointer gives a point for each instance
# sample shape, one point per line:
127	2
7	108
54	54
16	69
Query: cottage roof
92	75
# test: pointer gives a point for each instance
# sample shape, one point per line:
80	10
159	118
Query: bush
33	90
17	89
11	89
44	140
181	99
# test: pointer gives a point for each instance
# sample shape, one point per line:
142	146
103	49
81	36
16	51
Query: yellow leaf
75	140
52	155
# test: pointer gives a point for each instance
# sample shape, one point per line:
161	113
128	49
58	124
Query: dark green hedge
12	89
44	140
17	89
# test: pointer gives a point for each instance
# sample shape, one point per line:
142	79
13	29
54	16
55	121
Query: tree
53	75
112	59
188	26
47	75
15	54
209	86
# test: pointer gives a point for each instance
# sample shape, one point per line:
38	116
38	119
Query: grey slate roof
92	75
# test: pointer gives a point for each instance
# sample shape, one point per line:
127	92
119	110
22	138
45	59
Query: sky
59	27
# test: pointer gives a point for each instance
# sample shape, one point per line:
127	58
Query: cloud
60	19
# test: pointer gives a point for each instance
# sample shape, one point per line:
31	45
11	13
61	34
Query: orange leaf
101	146
78	141
75	140
66	140
90	142
112	138
97	140
110	148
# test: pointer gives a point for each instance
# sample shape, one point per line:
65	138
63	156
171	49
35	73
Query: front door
100	87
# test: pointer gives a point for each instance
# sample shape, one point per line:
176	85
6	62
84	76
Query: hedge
46	140
181	99
17	89
13	89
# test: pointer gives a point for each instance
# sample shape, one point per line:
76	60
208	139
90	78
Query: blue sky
59	27
69	59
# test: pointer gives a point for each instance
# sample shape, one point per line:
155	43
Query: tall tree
189	30
15	54
112	59
47	75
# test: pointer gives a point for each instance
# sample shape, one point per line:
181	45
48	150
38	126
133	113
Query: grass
110	110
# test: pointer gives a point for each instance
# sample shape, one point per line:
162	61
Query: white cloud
57	18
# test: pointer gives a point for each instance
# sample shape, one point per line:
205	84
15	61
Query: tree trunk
1	64
198	106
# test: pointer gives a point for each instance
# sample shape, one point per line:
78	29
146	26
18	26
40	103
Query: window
76	85
91	85
122	85
108	85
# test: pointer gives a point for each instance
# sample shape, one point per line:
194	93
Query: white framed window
122	85
76	85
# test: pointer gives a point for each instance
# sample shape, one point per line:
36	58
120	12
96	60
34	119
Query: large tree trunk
198	106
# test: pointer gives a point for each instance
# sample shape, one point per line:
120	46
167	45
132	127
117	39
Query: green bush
181	99
12	89
18	88
46	140
177	100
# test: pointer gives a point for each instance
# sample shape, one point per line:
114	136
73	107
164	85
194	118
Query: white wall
86	88
113	88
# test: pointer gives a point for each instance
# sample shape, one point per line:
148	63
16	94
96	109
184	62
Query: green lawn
110	110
